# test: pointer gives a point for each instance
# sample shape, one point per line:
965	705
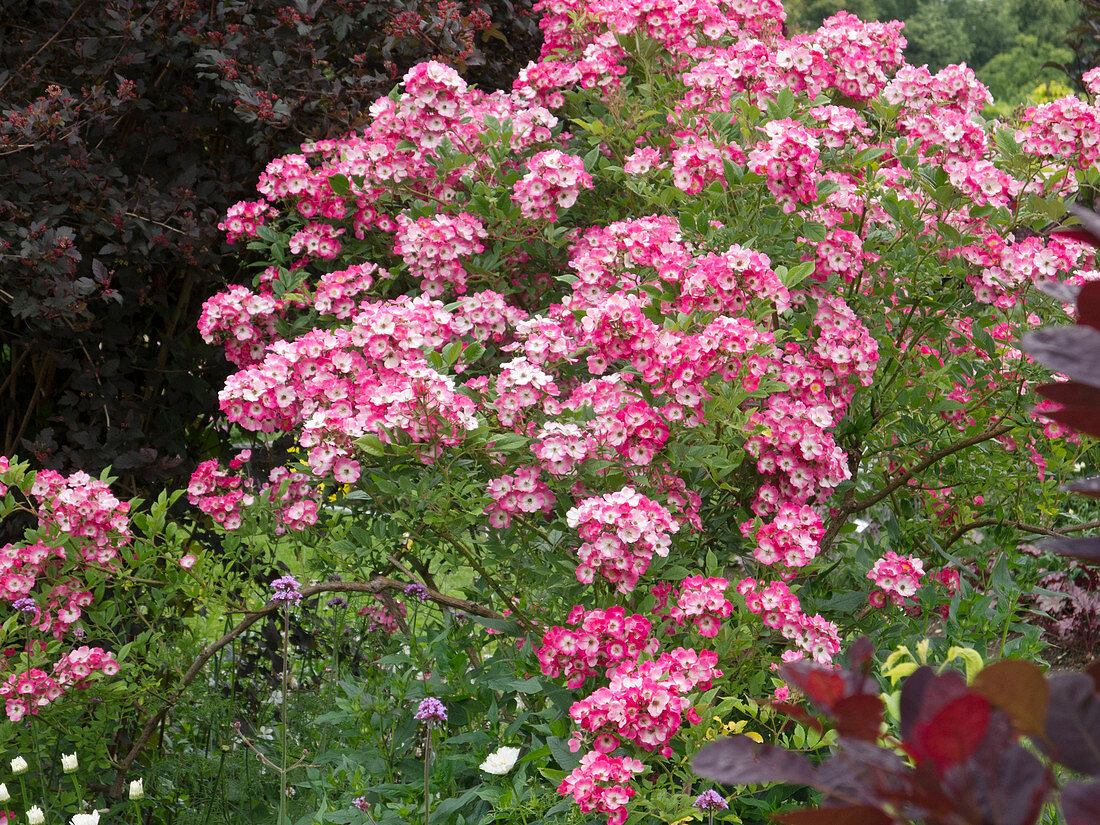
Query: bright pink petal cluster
602	640
519	492
243	218
597	784
218	493
788	160
621	532
554	179
646	702
27	692
85	508
897	579
704	602
780	610
432	249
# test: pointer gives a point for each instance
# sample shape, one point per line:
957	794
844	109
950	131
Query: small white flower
137	789
19	765
4	795
86	819
500	762
69	762
35	816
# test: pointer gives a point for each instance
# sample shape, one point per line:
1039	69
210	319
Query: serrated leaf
371	444
797	274
562	755
815	232
339	184
508	442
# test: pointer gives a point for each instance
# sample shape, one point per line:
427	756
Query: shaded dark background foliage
1084	41
126	129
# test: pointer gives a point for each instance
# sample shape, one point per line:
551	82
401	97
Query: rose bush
692	354
681	305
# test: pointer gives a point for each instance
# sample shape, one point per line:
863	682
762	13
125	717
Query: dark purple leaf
1081	418
1001	783
1084	486
1066	293
1088	305
953	734
822	687
924	693
1069	392
846	815
798	713
1093	671
825	687
1016	785
1090	222
739	760
1073	351
863	772
859	716
1074	233
860	653
1087	549
1081	803
912	697
1073	723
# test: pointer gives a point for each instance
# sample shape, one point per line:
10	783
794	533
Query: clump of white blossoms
500	761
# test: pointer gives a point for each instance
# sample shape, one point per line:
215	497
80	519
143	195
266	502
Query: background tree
985	34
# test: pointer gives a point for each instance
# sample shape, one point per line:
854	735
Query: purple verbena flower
337	601
431	710
710	801
417	591
286	590
25	605
361	803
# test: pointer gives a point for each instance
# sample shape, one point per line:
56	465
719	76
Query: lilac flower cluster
286	590
431	710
